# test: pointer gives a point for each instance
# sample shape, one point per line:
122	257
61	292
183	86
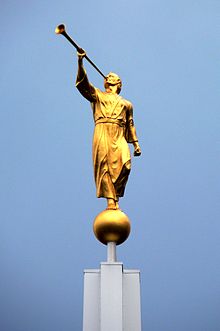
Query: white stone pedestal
111	298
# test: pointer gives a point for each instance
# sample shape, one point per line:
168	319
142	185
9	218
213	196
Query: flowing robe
114	129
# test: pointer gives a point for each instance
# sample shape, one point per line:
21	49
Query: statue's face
112	79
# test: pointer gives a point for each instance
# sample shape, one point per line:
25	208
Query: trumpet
61	29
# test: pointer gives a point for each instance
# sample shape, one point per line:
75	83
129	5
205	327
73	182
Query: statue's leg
122	180
112	204
104	186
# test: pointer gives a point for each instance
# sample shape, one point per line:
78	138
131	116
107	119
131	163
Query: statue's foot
112	204
112	207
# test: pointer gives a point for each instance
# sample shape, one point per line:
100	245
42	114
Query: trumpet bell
60	29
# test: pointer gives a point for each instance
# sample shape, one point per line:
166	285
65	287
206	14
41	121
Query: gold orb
111	226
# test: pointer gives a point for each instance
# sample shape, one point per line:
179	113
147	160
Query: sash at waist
110	120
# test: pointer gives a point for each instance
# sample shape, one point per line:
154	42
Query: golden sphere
111	226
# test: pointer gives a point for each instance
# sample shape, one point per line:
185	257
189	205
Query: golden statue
114	129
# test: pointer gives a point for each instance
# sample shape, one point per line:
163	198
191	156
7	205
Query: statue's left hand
137	150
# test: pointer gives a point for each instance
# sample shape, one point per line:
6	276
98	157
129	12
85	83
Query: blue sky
166	54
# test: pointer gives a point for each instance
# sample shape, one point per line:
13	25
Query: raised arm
82	82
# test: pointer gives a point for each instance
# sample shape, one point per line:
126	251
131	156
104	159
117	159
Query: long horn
60	29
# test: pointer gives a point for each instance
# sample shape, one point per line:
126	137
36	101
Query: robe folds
114	129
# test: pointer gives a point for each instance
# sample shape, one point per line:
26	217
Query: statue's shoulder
99	92
127	102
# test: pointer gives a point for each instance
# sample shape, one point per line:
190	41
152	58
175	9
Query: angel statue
114	129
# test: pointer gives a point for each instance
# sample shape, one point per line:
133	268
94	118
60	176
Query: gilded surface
114	129
112	226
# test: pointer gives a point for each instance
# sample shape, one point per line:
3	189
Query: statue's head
113	79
